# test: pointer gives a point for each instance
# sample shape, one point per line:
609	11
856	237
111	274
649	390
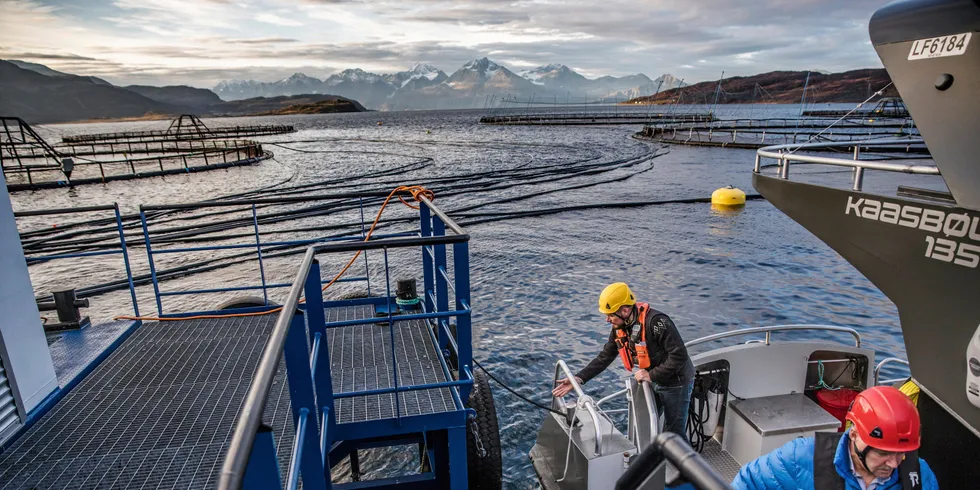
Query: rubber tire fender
484	473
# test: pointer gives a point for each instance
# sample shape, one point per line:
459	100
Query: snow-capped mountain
296	84
240	89
558	77
420	76
353	75
370	89
484	76
427	87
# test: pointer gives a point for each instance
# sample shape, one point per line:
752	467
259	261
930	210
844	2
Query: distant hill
44	70
780	87
41	95
321	107
38	98
294	104
181	95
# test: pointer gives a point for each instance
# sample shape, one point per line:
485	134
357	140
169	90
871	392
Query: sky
201	42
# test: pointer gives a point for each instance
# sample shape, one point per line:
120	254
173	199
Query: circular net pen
30	163
757	133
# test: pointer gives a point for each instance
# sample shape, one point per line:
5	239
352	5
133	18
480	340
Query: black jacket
669	363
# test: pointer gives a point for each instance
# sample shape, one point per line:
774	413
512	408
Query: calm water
535	280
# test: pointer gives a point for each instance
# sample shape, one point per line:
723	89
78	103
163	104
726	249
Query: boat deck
721	461
159	411
360	359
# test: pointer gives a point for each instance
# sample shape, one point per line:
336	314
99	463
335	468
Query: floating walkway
757	133
592	118
175	389
30	163
158	411
888	107
185	127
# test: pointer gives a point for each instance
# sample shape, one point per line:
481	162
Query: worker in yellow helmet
647	339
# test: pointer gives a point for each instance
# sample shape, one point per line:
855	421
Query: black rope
508	388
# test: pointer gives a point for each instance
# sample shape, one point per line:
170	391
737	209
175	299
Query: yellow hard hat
615	296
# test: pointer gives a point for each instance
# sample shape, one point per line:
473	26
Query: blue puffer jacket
791	467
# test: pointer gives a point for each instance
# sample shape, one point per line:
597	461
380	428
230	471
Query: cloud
276	20
263	40
175	40
42	56
469	16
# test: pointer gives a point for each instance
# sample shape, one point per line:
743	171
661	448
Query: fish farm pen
185	127
29	162
555	112
888	107
757	133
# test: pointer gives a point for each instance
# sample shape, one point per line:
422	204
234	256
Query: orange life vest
635	352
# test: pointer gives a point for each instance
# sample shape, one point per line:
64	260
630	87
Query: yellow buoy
728	197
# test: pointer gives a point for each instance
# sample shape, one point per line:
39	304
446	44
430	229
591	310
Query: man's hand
642	375
564	386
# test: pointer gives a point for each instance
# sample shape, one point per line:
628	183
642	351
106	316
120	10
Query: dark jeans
674	402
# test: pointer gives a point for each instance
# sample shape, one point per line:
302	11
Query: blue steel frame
321	442
258	246
114	207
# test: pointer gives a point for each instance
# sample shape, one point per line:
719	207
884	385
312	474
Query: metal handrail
885	361
776	328
778	152
785	154
583	399
647	389
250	417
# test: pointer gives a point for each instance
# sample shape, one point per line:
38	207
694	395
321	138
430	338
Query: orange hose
417	192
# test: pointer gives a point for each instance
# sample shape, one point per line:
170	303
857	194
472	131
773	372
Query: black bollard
67	305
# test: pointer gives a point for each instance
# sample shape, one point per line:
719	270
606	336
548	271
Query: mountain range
781	87
39	94
426	87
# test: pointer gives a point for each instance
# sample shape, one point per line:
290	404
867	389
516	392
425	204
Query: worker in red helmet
878	452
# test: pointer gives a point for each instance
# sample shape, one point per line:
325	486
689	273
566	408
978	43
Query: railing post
858	171
316	322
441	286
125	254
367	272
391	333
262	471
149	258
461	275
302	399
425	229
784	170
258	249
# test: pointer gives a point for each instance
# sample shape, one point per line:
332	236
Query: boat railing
582	401
35	244
776	328
251	454
784	155
884	362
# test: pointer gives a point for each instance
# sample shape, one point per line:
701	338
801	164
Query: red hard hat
885	419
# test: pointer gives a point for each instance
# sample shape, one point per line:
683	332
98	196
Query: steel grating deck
718	458
360	359
157	413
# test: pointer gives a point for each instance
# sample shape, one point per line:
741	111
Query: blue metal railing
250	461
259	246
123	250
